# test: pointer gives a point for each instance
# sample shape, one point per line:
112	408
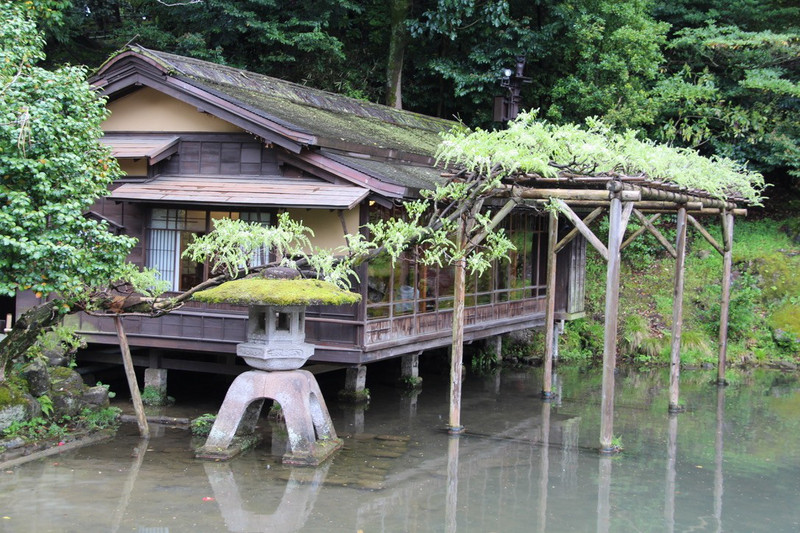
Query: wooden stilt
611	320
550	308
457	351
133	385
677	314
727	260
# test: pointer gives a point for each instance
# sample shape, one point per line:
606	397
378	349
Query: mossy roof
405	174
278	292
305	109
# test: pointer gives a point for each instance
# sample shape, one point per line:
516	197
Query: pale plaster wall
133	167
152	111
328	232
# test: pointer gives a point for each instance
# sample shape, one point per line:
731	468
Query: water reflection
524	465
292	512
718	449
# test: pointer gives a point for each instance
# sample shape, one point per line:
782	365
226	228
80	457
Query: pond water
730	463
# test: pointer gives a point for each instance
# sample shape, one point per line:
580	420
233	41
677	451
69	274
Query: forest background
720	76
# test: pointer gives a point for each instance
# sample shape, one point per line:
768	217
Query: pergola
567	170
647	200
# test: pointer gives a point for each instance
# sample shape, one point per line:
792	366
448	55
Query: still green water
730	463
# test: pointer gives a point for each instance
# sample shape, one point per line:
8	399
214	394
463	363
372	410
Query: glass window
171	231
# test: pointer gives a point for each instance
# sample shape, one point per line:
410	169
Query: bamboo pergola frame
621	199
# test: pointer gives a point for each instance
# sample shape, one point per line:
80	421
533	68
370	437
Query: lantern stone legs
312	437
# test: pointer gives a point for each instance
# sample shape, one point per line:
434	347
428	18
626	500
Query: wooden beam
133	385
611	322
573	194
711	240
650	193
639	231
584	229
656	233
677	314
727	262
550	307
575	231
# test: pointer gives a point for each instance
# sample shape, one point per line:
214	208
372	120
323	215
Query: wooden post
677	313
550	308
727	260
611	320
133	385
457	350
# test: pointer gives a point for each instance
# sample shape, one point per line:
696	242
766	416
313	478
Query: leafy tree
731	84
52	170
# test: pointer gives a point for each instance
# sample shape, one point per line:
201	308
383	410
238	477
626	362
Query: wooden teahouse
199	141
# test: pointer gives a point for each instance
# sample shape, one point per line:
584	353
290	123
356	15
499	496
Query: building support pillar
355	382
409	371
155	386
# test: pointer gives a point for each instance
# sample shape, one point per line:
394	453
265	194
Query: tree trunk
130	374
398	37
26	330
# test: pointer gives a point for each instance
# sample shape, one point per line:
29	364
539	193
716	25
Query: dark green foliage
52	170
201	426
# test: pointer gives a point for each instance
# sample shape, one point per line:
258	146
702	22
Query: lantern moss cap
278	292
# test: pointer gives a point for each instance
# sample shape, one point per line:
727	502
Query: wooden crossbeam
656	233
699	227
583	228
575	231
573	194
639	231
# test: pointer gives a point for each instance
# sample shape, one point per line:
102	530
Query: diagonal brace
582	228
656	233
575	231
699	227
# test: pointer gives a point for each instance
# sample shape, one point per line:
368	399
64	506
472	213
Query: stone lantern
276	348
276	338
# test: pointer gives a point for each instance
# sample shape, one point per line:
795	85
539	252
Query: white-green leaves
535	146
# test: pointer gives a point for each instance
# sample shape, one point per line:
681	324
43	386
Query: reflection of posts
672	452
293	511
122	506
353	417
544	467
604	495
451	521
309	426
719	447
